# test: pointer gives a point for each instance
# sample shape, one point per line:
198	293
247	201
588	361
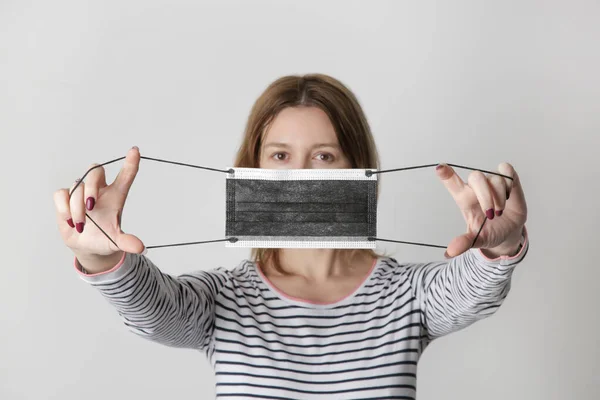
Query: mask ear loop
227	171
370	173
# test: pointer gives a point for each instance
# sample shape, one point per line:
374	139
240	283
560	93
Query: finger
450	179
76	205
517	202
508	170
127	174
96	179
61	204
479	183
498	188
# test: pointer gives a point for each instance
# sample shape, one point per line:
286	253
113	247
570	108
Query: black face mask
331	208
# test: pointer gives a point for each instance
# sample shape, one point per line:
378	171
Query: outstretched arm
174	311
454	294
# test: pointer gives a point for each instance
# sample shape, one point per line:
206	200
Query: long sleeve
174	311
456	293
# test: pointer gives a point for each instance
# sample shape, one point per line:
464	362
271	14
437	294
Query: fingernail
79	227
499	213
490	213
135	147
446	255
145	251
70	222
439	166
89	203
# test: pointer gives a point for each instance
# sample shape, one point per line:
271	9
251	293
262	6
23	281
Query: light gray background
469	82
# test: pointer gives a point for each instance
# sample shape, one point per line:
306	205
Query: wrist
94	264
510	247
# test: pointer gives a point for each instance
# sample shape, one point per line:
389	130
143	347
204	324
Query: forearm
159	307
465	289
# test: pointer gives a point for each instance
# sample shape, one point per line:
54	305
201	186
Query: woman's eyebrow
334	145
287	146
276	144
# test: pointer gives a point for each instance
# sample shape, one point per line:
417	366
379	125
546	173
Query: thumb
129	243
459	245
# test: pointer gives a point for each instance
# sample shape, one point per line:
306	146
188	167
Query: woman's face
301	137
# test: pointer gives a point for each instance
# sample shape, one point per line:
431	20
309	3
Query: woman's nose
303	162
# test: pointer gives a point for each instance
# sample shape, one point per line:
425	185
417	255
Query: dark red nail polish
499	213
79	227
490	213
70	222
89	203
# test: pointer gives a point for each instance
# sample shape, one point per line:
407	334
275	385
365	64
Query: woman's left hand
500	200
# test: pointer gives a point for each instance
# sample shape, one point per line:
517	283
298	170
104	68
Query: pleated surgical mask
314	208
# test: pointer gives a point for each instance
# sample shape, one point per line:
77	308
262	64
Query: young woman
305	323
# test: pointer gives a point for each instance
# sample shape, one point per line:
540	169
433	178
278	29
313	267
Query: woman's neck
319	265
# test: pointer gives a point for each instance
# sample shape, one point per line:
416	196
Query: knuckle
76	199
496	180
476	177
96	170
90	188
506	168
78	185
60	197
59	194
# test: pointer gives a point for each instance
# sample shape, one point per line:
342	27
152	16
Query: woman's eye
279	156
325	157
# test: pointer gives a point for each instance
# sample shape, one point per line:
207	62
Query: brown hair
313	90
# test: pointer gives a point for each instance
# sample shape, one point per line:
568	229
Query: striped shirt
264	345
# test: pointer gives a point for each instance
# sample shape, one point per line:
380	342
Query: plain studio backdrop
468	82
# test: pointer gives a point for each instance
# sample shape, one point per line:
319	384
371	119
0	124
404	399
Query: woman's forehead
301	126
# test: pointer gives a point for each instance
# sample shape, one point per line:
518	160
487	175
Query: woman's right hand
104	203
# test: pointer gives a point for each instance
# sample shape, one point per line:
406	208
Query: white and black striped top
264	345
